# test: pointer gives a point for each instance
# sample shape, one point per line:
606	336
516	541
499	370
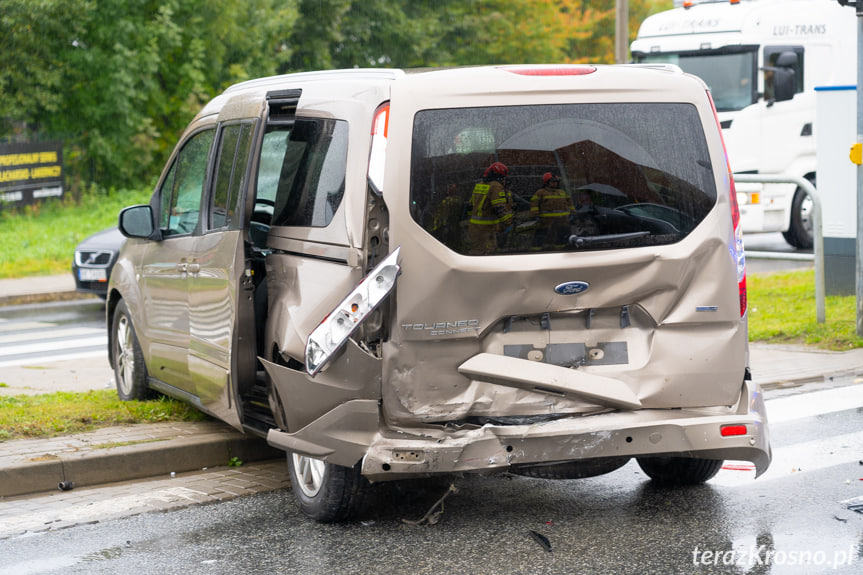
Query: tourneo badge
571	288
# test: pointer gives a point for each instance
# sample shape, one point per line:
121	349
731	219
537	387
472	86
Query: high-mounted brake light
378	155
335	329
737	251
690	3
572	70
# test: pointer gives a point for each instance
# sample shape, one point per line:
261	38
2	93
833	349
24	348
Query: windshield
532	179
731	76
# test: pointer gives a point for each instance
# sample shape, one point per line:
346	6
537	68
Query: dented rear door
630	301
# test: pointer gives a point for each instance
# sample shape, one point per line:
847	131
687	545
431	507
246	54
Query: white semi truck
762	60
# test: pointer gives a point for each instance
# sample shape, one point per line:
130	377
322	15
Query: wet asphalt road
797	518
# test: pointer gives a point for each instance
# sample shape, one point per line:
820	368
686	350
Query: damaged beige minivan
388	274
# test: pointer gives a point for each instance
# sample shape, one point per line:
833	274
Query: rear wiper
586	241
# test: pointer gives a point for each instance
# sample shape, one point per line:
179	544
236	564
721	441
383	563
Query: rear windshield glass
527	179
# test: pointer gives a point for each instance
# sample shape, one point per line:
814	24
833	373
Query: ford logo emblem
571	288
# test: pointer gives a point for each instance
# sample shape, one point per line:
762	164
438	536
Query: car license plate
92	275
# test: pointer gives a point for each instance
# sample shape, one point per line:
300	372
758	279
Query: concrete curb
201	446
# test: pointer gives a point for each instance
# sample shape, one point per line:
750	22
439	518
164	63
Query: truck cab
762	60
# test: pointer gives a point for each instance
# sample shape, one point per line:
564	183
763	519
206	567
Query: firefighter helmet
496	170
549	177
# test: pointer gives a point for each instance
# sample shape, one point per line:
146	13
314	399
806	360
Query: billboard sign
30	172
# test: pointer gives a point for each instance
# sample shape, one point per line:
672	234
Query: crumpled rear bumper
388	454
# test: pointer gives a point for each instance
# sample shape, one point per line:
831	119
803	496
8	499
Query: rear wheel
130	373
327	492
799	232
679	470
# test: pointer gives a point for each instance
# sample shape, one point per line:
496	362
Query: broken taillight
338	325
378	155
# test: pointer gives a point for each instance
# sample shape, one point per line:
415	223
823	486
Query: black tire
326	492
679	470
799	232
130	372
572	469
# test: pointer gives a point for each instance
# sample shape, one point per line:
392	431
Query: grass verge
61	413
782	310
41	239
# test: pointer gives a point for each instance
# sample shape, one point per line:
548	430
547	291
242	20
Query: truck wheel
326	492
130	373
799	232
679	470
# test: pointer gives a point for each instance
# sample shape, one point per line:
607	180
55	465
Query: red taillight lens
573	70
378	154
737	248
732	430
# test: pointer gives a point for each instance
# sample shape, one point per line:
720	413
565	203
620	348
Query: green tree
119	79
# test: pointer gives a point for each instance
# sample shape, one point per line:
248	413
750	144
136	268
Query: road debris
541	539
432	517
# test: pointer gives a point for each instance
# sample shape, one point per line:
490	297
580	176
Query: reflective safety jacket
491	204
550	203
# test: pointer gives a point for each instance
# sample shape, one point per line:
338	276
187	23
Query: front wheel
679	470
130	373
326	492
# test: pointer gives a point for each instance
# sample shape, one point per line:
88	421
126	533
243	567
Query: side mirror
780	83
137	222
783	84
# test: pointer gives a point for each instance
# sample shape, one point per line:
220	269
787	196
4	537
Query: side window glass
303	169
233	157
182	189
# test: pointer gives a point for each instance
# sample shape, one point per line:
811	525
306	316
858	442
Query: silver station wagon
388	274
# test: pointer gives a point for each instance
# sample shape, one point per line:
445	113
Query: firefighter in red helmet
492	211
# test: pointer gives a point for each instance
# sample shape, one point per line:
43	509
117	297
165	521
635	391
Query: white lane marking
53	346
48	360
8	325
814	403
52	334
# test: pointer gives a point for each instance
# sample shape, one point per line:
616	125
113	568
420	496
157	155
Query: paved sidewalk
61	509
39	288
122	453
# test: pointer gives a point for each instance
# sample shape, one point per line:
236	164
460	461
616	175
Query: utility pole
857	158
859	168
621	32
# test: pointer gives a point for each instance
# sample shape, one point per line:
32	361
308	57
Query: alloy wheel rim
310	474
125	357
